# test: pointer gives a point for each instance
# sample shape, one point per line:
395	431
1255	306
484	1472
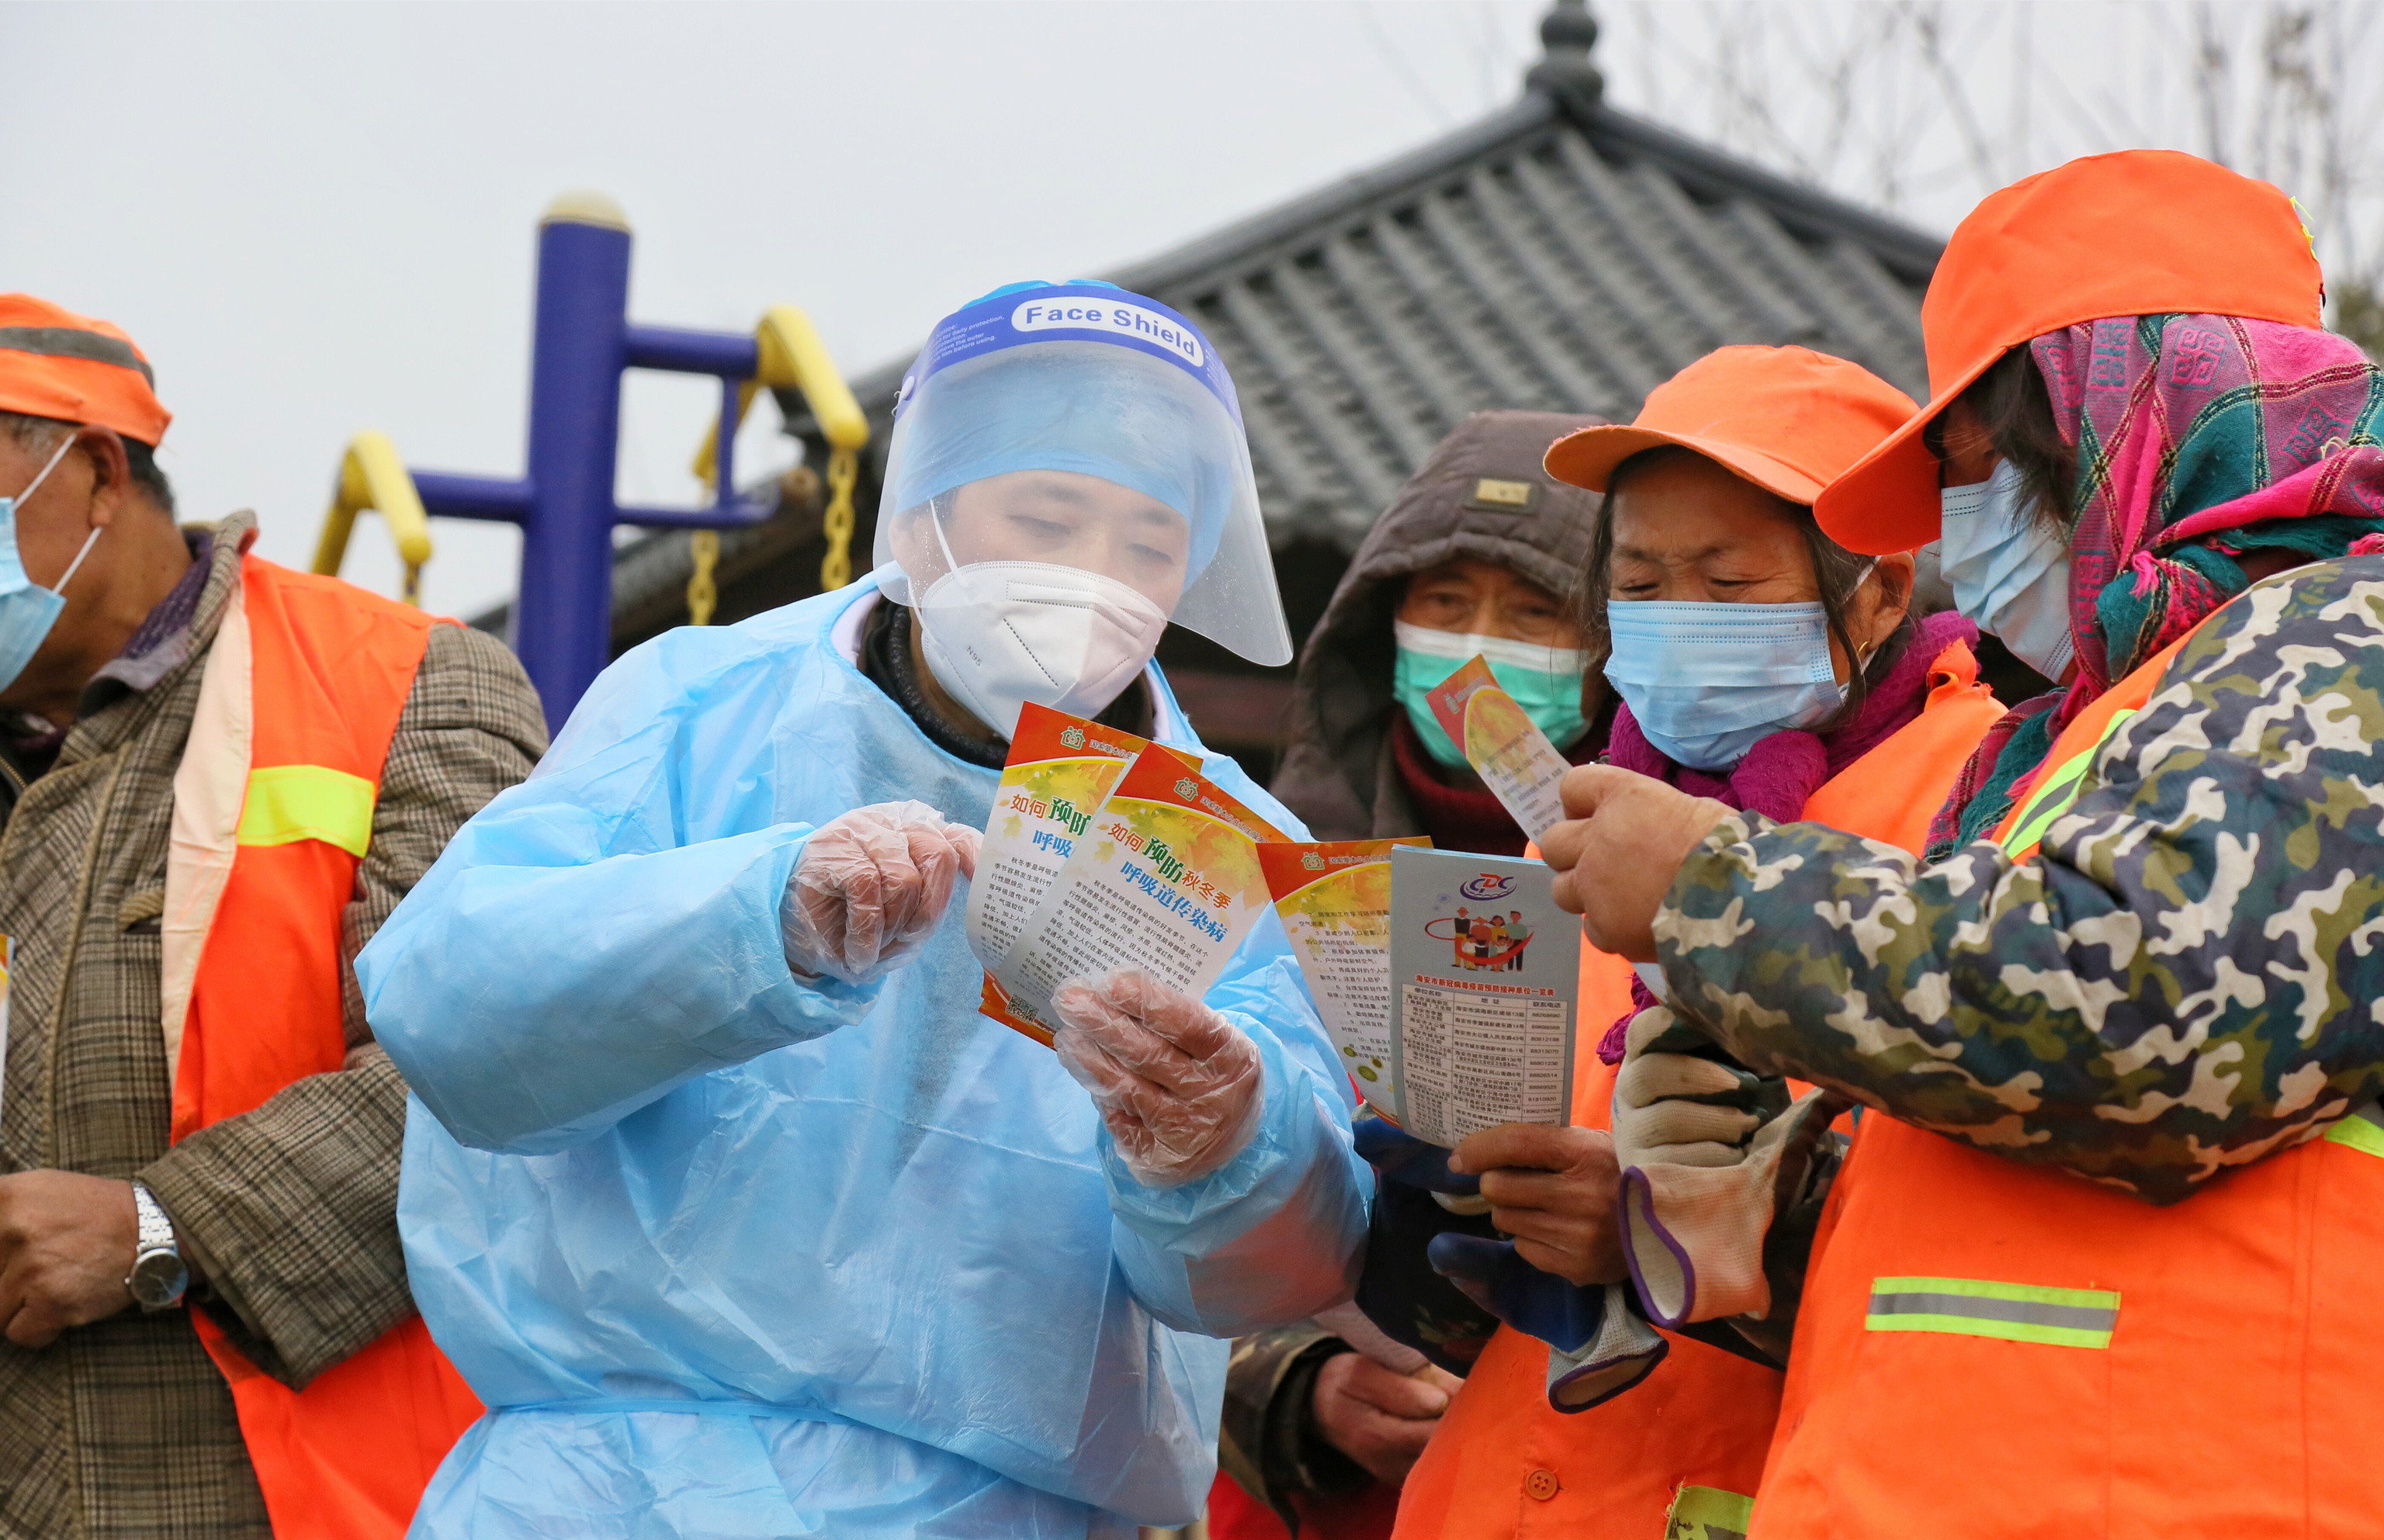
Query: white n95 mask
999	633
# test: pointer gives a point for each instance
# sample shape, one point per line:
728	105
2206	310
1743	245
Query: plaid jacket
123	1428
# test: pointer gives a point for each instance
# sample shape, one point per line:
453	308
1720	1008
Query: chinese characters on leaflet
1162	874
1484	965
1484	974
1059	772
1107	851
1335	900
1505	747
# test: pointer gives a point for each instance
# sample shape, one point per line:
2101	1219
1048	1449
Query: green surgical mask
1545	681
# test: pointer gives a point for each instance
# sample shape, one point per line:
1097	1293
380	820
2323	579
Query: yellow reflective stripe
1708	1513
2362	1131
2046	803
2012	1312
2052	798
288	802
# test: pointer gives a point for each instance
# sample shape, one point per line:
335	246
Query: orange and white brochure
1335	900
1059	771
1503	744
1165	878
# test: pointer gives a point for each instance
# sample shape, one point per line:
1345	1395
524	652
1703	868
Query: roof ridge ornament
1564	73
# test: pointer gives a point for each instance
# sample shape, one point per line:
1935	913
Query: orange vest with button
1991	1348
273	809
1686	1445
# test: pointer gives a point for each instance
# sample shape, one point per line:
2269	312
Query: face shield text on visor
1067	473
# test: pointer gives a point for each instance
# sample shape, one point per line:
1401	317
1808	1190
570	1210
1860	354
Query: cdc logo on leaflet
1487	886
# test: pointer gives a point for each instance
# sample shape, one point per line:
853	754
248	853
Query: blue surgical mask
1545	681
2009	572
27	610
1704	680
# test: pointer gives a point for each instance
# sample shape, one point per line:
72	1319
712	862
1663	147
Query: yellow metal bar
791	356
372	477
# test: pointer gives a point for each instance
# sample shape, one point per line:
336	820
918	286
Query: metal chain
835	568
702	595
412	593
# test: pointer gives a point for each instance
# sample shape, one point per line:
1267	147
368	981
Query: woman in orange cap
2149	954
1760	663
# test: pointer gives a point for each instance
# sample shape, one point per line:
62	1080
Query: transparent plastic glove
1710	1153
1179	1085
870	887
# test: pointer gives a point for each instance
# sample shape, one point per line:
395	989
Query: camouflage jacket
2187	976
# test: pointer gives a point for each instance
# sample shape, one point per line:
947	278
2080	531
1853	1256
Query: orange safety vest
273	811
1992	1348
1684	1447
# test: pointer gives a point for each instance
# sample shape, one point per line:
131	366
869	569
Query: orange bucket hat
56	364
2141	232
1788	419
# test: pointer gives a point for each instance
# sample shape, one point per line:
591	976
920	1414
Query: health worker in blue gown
717	1189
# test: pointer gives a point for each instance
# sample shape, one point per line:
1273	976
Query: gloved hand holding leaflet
1059	771
1162	876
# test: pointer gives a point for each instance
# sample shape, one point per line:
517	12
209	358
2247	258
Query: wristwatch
158	1276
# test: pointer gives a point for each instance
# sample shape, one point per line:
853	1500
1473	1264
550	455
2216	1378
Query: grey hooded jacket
1483	495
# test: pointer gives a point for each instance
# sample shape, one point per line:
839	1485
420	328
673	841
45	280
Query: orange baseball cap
1787	419
56	364
2140	232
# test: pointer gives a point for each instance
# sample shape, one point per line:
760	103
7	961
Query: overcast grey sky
317	218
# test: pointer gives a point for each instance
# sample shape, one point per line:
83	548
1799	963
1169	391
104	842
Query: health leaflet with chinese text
1485	986
1335	901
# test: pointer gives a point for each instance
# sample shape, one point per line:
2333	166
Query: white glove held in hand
870	887
1178	1085
1701	1183
1652	1125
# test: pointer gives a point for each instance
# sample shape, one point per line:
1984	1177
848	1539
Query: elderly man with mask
218	777
720	1192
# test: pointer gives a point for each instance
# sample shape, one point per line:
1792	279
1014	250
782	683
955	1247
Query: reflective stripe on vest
288	802
2363	1130
2052	798
1974	1307
2072	755
274	801
1708	1513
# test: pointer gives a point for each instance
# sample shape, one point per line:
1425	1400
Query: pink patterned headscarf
2199	437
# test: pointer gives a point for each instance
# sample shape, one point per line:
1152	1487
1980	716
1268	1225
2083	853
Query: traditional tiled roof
1560	255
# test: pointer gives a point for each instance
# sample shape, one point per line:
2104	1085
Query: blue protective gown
878	1247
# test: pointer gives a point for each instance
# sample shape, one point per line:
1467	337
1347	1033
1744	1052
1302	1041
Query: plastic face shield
1084	380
